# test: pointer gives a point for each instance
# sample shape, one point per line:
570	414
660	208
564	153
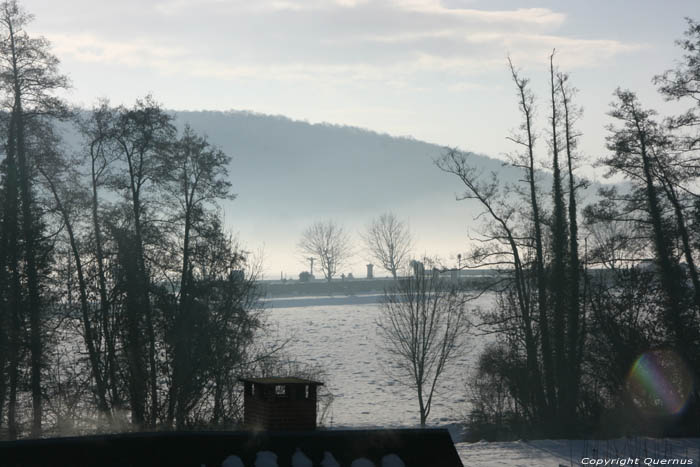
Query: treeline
579	352
124	303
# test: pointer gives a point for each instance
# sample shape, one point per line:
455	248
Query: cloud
542	16
93	49
172	59
426	7
336	42
174	7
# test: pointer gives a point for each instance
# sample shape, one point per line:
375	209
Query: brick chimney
279	403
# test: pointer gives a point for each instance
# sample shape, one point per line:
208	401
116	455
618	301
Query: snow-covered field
343	340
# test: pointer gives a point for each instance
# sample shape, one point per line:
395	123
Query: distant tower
418	268
370	271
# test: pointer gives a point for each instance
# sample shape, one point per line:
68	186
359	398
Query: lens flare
659	381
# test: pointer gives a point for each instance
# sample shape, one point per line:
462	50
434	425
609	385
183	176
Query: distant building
305	276
370	271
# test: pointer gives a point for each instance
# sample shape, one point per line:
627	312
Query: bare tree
195	183
70	203
142	134
505	246
29	78
525	160
101	151
388	241
329	243
423	326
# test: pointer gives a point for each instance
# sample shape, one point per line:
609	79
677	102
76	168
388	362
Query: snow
329	460
362	462
648	451
232	461
392	460
266	459
299	459
343	340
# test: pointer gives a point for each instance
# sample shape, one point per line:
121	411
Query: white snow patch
232	461
343	339
266	459
392	460
329	460
572	452
299	459
362	462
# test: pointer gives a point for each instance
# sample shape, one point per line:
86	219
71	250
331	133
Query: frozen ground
555	453
343	340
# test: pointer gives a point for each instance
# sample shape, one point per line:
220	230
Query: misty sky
435	70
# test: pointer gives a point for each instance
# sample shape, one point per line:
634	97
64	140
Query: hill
288	174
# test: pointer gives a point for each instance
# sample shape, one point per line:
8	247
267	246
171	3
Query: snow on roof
280	380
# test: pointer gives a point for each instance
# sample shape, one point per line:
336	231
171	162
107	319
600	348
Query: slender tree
98	130
329	243
143	134
506	250
526	140
388	241
11	283
195	182
423	326
29	75
559	253
574	300
70	203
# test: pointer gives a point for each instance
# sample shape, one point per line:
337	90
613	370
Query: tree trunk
559	246
574	356
110	361
133	345
685	241
145	299
540	275
10	235
102	405
670	279
34	300
180	360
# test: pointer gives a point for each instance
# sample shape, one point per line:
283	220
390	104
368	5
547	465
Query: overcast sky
435	70
432	69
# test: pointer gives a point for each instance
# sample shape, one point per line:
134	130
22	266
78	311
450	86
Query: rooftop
414	447
280	380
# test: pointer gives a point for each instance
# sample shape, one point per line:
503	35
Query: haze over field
289	174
